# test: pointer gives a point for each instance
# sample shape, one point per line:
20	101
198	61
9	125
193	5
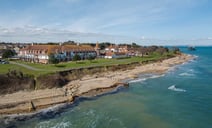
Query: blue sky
146	22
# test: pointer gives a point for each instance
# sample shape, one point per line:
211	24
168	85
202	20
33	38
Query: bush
53	59
15	74
176	50
91	57
76	57
8	53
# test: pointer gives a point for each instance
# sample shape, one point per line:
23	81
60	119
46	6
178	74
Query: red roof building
40	53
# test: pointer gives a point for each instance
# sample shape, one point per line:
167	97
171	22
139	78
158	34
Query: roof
53	48
109	54
78	47
115	53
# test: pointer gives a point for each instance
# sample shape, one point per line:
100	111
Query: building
3	46
16	49
115	51
112	48
97	49
40	53
110	55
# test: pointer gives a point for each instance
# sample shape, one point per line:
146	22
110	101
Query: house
110	55
112	48
40	53
16	49
3	46
115	51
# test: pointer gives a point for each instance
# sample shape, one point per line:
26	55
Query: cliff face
16	81
50	81
10	84
60	79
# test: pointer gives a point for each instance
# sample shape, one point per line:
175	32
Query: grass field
51	68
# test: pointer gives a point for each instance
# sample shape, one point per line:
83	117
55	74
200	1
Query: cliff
15	81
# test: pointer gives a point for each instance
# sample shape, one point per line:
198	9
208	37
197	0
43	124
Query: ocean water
181	98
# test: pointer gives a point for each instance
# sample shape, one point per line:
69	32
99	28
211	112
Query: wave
191	70
195	56
53	125
173	88
156	76
186	74
145	78
6	120
137	80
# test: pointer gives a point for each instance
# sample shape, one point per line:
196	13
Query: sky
145	22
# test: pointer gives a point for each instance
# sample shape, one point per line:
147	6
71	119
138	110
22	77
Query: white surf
173	88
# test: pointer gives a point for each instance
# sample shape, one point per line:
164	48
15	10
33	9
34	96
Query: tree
143	51
76	57
69	42
161	50
152	49
176	50
8	53
104	45
53	59
134	45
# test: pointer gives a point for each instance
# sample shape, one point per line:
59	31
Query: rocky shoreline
87	86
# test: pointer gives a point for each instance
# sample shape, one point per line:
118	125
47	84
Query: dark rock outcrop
10	84
50	81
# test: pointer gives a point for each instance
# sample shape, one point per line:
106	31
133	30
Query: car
4	62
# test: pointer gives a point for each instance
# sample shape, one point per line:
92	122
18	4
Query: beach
88	86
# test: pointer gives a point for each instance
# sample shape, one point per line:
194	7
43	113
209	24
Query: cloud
95	15
83	20
31	33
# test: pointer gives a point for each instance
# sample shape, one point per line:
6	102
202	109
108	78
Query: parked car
4	62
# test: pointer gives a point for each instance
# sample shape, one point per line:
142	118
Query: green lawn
4	68
50	68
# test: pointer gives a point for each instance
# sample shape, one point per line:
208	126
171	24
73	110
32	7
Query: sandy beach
31	101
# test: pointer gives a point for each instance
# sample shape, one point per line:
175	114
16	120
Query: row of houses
115	51
40	53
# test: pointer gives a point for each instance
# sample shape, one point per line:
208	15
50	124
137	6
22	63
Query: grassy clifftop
42	69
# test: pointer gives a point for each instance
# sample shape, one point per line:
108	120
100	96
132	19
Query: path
26	66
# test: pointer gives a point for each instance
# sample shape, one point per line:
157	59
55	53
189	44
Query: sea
180	98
